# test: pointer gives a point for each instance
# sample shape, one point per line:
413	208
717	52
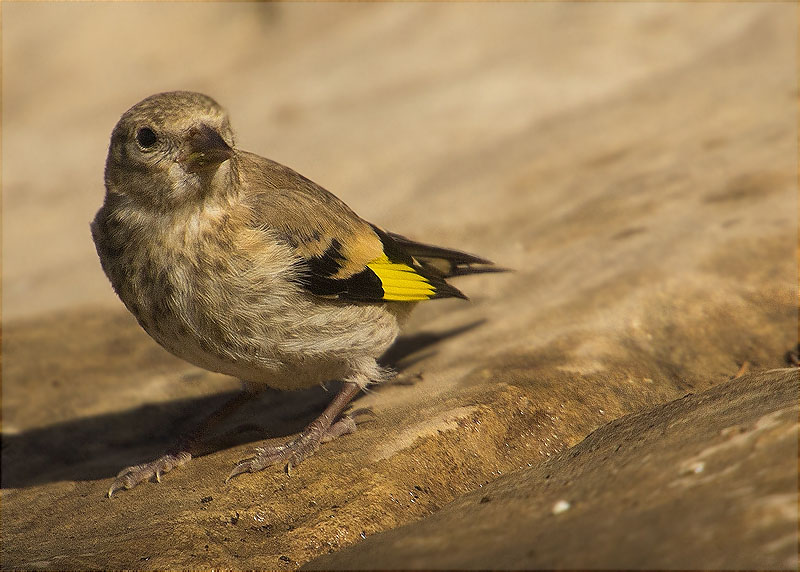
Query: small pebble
561	506
698	467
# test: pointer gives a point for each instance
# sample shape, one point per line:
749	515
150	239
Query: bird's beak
203	149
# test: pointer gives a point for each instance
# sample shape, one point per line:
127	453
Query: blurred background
393	107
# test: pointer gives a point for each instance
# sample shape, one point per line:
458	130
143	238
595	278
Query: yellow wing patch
401	283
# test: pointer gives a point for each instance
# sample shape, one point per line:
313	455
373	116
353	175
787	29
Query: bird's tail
444	262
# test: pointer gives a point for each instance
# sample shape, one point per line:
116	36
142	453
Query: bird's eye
146	138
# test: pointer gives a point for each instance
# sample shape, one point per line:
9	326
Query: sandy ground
635	164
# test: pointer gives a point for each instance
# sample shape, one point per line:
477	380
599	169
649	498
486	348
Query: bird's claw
295	451
131	476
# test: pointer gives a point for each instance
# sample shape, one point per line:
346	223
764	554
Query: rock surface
643	491
635	164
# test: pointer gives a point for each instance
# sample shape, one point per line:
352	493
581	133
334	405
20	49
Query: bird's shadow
97	447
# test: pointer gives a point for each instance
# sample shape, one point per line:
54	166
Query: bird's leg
321	430
181	452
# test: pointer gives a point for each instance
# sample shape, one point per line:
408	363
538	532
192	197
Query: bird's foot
295	451
131	476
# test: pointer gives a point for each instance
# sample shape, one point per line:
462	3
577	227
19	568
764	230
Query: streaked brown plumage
242	266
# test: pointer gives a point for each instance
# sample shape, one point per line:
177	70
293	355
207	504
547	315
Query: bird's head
170	149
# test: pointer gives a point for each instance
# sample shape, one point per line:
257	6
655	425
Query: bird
242	266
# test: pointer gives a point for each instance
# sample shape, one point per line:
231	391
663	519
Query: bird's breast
221	295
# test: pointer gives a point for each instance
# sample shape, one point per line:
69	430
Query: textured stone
708	481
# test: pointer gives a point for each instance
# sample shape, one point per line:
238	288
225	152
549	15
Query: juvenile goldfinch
242	266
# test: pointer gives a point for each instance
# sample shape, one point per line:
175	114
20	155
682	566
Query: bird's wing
338	254
371	267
